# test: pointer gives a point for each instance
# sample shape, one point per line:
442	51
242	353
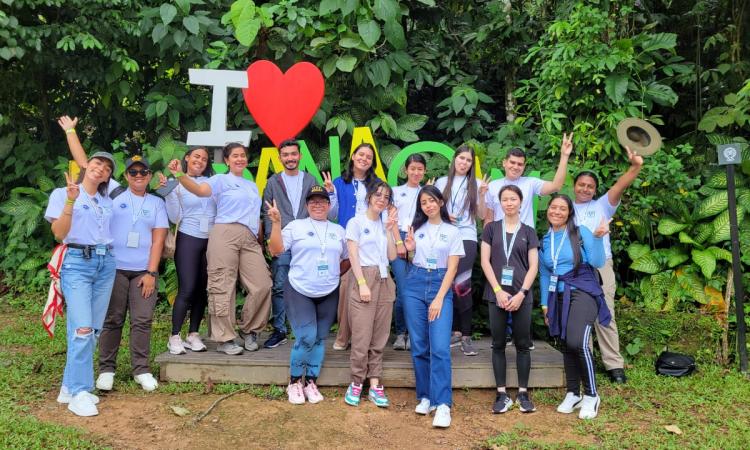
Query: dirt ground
146	421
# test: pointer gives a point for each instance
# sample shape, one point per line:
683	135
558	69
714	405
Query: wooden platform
271	366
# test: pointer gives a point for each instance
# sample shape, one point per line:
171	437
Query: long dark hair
470	202
227	150
208	171
420	218
348	174
573	235
104	185
415	158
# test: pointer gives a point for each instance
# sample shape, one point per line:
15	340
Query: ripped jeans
87	286
311	320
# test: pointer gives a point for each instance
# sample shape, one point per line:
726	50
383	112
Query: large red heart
283	103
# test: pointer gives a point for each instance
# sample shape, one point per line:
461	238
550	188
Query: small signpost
730	155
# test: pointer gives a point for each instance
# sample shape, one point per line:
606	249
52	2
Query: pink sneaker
294	391
312	393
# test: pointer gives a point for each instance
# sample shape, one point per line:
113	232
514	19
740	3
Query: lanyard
556	254
508	250
325	236
98	211
454	197
140	209
434	238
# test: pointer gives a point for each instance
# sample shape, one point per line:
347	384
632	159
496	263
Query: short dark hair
512	188
517	152
377	185
415	158
587	173
289	143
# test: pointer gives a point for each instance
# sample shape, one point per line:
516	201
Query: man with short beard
287	190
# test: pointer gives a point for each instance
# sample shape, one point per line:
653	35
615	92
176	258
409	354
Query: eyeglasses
136	172
318	202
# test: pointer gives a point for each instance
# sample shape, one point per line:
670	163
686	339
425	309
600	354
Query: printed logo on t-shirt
420	236
310	233
123	205
85	206
146	213
403	194
443	237
332	236
367	231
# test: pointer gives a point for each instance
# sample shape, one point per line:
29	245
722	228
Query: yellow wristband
179	174
361	281
70	202
399	242
70	131
496	289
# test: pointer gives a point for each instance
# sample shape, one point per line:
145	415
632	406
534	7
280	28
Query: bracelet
67	214
496	289
179	174
361	281
70	202
154	274
70	131
399	242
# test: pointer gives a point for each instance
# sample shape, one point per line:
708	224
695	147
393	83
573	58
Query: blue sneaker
377	396
353	393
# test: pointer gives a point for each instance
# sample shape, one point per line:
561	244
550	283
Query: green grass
710	407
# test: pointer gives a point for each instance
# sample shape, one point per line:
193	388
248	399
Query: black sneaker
502	403
525	405
617	376
277	338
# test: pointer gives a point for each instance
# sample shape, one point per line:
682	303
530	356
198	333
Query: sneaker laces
356	389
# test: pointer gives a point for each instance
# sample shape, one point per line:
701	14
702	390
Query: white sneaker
442	417
64	396
194	343
147	381
82	405
105	380
589	407
424	407
570	403
175	345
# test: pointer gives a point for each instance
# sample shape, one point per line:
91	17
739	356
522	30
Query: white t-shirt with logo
90	224
439	242
591	214
195	214
405	200
237	200
307	238
133	219
529	186
371	239
455	204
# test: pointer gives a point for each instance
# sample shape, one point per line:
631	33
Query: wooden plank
271	366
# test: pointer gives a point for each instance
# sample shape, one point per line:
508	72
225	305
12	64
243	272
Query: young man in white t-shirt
514	165
590	213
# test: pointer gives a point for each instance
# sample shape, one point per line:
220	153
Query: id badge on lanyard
101	250
555	257
431	261
133	239
506	278
322	265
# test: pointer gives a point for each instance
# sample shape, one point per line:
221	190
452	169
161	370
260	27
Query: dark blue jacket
585	280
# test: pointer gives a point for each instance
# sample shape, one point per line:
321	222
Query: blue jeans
311	320
430	341
87	286
280	272
399	267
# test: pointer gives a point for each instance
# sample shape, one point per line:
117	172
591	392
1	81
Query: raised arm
636	164
74	144
566	148
199	189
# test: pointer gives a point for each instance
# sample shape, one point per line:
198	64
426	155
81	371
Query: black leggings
577	358
521	338
462	298
190	260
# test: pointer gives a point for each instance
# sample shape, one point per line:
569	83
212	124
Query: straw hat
640	136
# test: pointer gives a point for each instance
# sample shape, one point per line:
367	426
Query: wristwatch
525	291
153	274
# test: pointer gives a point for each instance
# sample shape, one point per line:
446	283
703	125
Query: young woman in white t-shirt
233	249
405	200
428	304
311	293
196	218
465	198
371	292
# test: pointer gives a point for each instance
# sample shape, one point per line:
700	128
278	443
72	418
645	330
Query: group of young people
353	250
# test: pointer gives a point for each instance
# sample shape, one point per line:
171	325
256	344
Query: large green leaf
661	94
702	232
369	31
676	256
346	63
712	205
191	24
721	226
651	299
636	250
685	239
167	13
647	264
717	180
247	31
659	41
394	33
705	260
386	10
668	226
720	253
692	285
616	85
